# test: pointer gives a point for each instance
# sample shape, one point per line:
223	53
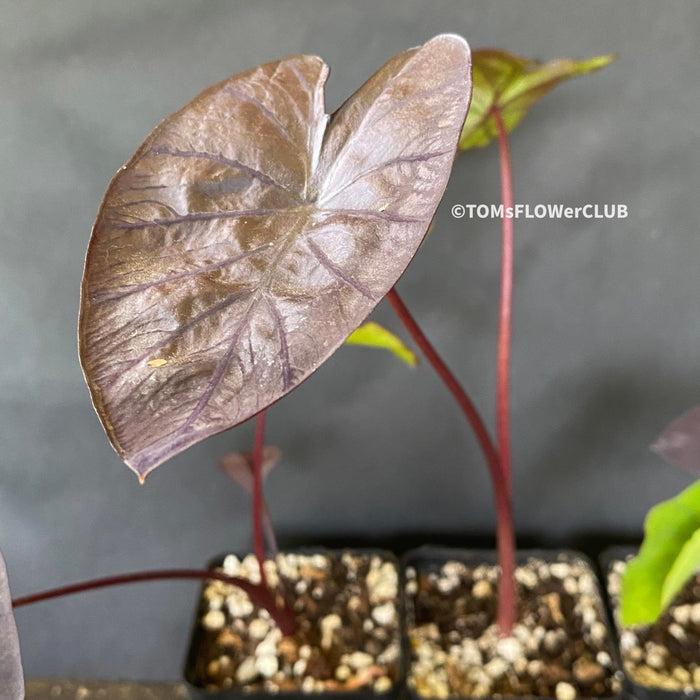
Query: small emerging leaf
669	554
679	444
512	84
251	233
11	675
239	465
373	335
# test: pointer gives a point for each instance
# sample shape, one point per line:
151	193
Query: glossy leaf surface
250	235
679	444
373	335
11	675
669	555
512	85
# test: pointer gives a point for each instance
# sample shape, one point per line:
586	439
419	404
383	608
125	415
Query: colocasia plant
553	641
441	614
251	234
246	239
505	86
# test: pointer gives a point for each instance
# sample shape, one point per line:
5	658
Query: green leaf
512	84
373	335
683	568
669	555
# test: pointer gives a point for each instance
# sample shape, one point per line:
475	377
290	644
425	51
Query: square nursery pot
73	689
348	606
561	647
660	661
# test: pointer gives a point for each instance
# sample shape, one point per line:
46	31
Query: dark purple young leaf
11	675
239	465
250	235
679	444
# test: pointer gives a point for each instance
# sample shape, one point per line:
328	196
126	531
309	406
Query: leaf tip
141	473
450	37
599	62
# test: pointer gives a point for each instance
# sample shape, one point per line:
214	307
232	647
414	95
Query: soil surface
666	654
348	626
561	647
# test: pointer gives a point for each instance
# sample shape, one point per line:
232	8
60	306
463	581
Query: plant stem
270	537
505	540
259	594
262	522
258	503
506	306
504	521
503	370
452	384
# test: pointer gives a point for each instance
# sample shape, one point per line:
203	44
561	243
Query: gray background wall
607	345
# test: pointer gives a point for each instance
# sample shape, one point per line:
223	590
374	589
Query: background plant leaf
249	235
653	578
512	84
11	675
374	335
679	444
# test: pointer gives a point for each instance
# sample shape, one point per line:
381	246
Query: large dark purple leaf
250	235
11	676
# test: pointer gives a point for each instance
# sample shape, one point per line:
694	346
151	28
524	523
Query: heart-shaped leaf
679	444
250	234
11	675
373	335
512	84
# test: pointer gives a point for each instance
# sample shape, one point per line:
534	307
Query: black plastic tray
238	693
428	557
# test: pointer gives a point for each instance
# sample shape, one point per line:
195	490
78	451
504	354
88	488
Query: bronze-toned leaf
512	84
249	235
11	675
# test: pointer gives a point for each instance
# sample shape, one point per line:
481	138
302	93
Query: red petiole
498	461
258	502
504	517
508	595
258	593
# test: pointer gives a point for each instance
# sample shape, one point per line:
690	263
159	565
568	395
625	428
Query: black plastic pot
238	692
428	558
73	689
634	689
